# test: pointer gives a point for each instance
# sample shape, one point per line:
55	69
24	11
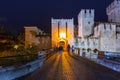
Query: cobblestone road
64	67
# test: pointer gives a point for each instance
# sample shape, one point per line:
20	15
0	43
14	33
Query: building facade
62	32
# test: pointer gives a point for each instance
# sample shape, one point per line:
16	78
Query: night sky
15	14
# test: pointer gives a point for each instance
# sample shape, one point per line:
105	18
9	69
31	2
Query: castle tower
113	11
85	22
62	32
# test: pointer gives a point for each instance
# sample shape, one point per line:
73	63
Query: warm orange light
15	46
62	35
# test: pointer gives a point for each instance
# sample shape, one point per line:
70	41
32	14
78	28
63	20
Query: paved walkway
64	67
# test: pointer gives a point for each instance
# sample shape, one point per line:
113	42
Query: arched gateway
63	43
62	32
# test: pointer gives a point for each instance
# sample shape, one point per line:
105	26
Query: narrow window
66	29
58	29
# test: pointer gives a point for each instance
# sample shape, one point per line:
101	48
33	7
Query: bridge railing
17	60
108	60
25	65
22	59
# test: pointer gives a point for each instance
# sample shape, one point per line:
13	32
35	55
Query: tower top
86	13
113	5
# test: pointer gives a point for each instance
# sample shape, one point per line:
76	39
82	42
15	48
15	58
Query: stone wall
90	42
85	22
35	36
65	26
113	11
30	35
118	43
107	34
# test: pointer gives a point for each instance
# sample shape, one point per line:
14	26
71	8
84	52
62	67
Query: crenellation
82	12
113	11
113	5
86	13
92	12
106	27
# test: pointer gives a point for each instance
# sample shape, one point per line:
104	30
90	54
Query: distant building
35	36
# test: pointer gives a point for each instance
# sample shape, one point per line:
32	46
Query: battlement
106	27
86	13
118	36
113	5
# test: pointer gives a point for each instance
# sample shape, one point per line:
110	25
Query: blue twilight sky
15	14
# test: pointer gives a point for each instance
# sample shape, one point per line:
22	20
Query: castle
101	36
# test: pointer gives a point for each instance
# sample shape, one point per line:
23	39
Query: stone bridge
65	66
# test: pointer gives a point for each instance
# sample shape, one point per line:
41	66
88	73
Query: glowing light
62	35
16	46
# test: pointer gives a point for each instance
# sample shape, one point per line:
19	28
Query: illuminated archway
63	43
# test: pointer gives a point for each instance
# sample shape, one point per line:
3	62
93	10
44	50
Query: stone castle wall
65	26
118	42
85	22
91	42
107	35
113	11
118	37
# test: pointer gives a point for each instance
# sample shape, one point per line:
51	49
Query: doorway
63	43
